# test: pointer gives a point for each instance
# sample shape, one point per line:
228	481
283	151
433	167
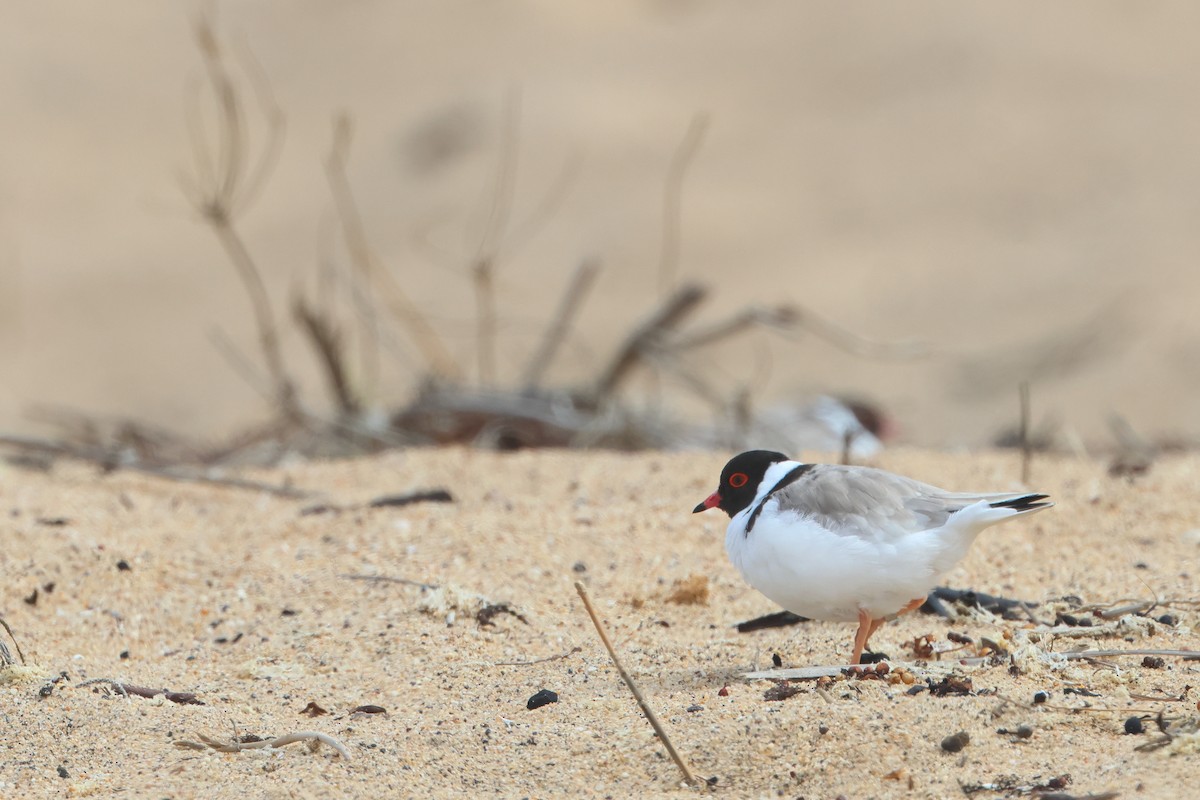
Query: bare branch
368	264
647	336
108	460
668	265
220	188
1026	447
577	289
327	341
483	265
779	318
16	644
633	687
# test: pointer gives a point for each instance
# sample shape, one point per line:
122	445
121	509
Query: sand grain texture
241	599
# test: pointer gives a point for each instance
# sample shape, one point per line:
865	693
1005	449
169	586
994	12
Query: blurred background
1012	185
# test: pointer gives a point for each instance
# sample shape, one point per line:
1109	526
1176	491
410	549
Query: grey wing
872	504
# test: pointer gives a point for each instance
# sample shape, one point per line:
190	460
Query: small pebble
956	742
1168	619
1134	725
579	567
776	660
123	566
822	728
1040	697
1153	662
543	698
62	772
692	709
724	692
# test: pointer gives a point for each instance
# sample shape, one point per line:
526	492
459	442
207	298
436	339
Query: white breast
818	573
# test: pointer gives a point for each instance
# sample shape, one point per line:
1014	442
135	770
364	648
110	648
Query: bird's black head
740	480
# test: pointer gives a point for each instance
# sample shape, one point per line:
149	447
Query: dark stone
956	742
543	698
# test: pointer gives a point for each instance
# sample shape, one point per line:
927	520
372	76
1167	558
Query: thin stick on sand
653	720
14	639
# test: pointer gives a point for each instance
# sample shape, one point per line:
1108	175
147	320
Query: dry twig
685	153
5	658
653	720
1026	448
581	282
646	337
226	182
237	746
557	657
370	267
110	461
127	690
327	341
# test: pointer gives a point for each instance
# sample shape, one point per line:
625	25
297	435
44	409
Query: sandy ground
244	600
1012	183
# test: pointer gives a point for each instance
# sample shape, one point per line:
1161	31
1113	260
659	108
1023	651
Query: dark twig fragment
646	337
385	501
326	339
407	499
488	614
128	689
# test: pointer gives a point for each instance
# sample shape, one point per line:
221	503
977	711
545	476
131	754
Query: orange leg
868	626
913	605
865	626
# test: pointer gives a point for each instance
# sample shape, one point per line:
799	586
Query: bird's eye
738	479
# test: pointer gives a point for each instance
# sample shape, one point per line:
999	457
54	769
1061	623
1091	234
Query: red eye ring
738	479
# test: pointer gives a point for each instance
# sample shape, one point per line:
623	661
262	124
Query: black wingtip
1028	502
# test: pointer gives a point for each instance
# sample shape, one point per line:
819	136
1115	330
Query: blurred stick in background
227	180
1026	447
370	267
556	332
685	153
